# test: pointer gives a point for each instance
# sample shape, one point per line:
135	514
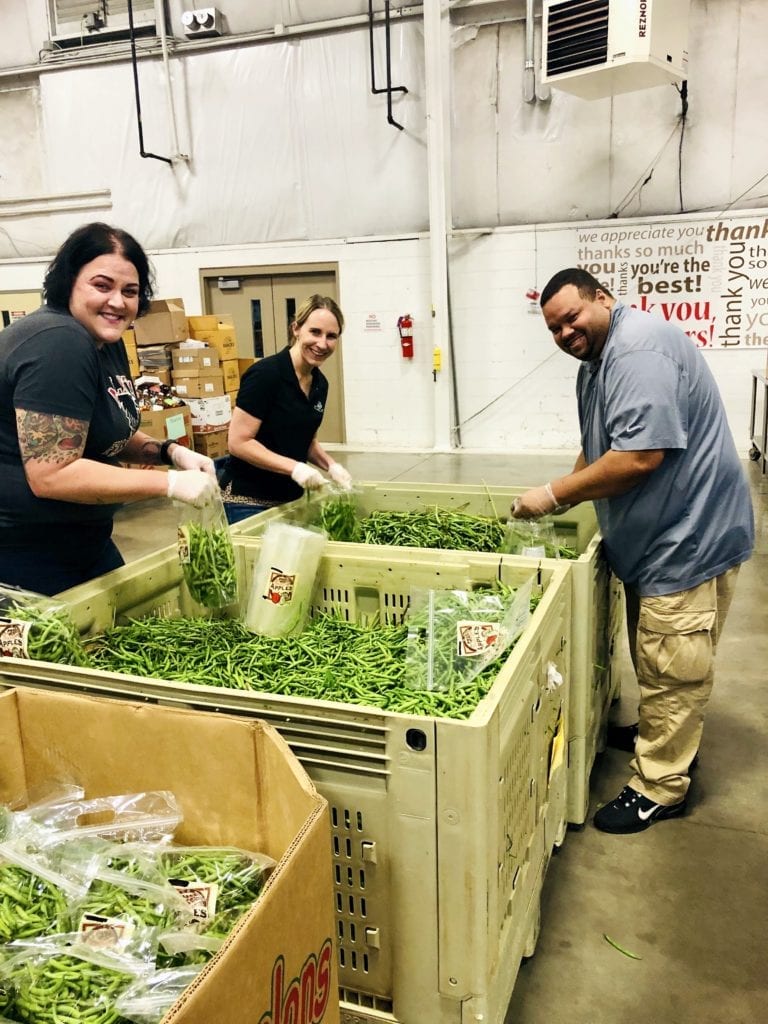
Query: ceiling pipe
163	36
142	152
529	69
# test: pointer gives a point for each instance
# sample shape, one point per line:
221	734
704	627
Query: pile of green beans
238	878
210	572
52	635
445	529
65	989
331	660
29	905
433	528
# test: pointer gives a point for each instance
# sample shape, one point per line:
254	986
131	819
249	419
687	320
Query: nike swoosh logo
645	815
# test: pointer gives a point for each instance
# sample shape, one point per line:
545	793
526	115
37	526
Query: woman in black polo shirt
279	409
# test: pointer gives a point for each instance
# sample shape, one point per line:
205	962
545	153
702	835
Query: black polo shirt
270	392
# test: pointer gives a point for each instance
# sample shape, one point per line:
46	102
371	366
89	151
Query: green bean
52	635
209	568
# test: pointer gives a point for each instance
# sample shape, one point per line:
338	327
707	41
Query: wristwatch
165	457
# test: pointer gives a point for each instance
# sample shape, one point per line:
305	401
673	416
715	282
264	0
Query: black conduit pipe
142	151
389	88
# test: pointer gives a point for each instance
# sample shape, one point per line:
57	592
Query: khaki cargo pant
672	641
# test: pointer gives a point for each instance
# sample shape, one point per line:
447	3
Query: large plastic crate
440	828
593	627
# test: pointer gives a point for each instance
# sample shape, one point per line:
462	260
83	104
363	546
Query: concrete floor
690	895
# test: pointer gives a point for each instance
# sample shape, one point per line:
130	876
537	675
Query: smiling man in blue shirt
673	504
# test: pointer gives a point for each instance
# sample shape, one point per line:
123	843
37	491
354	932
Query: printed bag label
13	638
280	586
474	637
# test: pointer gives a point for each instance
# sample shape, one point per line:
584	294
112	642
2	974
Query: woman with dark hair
68	413
279	409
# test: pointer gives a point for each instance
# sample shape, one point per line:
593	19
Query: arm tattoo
47	438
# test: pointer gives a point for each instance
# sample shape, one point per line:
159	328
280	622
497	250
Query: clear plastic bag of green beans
207	554
532	538
62	978
454	634
38	627
220	884
34	898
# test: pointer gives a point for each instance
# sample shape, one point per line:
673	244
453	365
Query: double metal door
263	306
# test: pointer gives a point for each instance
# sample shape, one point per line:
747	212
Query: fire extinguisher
405	326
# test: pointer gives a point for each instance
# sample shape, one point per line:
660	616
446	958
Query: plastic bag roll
283	580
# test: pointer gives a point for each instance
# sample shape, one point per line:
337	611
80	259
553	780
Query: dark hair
308	307
86	244
582	279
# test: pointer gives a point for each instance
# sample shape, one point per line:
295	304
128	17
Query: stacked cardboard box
219	333
164	323
197	372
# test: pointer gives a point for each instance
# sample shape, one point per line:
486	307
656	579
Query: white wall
515	387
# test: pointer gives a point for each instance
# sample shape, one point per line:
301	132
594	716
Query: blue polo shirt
691	519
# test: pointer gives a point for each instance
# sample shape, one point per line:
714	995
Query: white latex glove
340	476
538	502
186	458
192	487
307	477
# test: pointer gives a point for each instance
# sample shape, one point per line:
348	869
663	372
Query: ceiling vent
595	48
84	22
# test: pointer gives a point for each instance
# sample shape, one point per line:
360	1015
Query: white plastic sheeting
285	141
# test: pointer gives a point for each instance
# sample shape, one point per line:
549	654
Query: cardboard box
129	341
166	321
238	784
212	443
231	373
195	362
217	331
243	364
208	386
209	413
175	423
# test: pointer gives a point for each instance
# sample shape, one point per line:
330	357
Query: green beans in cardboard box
64	981
219	884
34	899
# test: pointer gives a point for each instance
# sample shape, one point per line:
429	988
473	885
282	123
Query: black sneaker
623	737
633	812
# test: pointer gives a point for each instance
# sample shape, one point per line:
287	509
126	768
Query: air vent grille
577	36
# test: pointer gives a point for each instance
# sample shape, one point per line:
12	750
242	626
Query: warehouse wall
291	160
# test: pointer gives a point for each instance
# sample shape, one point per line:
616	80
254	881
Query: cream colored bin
441	829
595	622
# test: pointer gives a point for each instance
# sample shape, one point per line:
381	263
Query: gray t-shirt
691	519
